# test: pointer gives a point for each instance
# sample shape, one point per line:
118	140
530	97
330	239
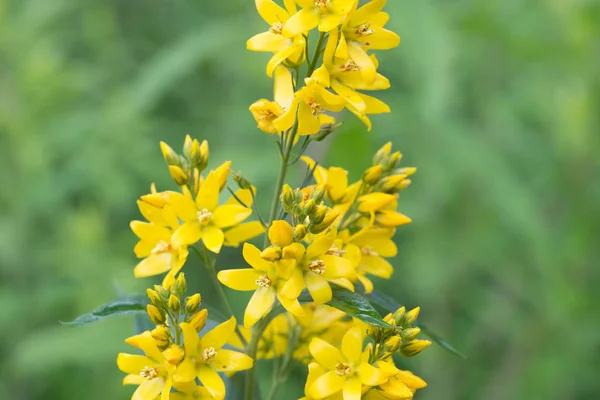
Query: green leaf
352	304
389	304
131	305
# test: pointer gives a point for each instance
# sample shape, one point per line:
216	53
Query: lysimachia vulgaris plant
312	299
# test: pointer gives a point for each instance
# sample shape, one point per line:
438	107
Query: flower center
334	251
149	373
266	115
276	28
342	369
368	251
364	30
264	282
161	247
350	65
315	107
322	4
208	354
204	216
317	266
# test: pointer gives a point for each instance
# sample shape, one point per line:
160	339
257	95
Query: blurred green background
496	102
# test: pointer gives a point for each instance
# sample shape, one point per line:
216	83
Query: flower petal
211	381
352	345
279	57
213	238
371	376
259	305
208	195
186	234
150	232
326	385
183	205
292	288
246	231
186	371
271	12
337	267
292	306
133	364
155	264
320	245
283	87
230	214
252	256
149	389
229	360
190	339
352	389
281	233
239	279
377	266
318	287
324	353
303	21
219	335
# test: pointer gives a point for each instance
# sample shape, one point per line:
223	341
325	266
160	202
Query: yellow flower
162	249
284	47
152	372
401	385
309	103
265	112
367	249
326	14
334	180
266	278
205	357
190	391
204	218
346	370
365	26
350	68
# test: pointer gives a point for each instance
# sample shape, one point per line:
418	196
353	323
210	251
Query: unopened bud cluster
402	337
307	210
383	176
186	168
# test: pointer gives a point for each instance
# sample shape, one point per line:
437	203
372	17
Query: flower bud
168	283
411	316
328	219
391	184
392	344
174	354
162	292
391	219
192	303
187	146
309	207
169	154
372	174
410	334
408	171
154	199
390	162
180	284
318	193
198	320
382	153
178	175
154	298
300	231
271	253
399	316
374	201
414	347
174	303
195	155
161	335
318	215
156	316
287	197
242	182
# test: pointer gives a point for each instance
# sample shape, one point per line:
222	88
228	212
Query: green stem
316	55
281	372
251	351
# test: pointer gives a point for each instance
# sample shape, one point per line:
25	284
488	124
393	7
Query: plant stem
251	351
280	375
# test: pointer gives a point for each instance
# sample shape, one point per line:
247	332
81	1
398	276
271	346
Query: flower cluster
174	355
347	33
324	240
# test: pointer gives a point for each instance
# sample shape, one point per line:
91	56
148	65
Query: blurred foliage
496	102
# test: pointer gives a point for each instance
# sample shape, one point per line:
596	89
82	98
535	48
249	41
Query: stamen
161	247
322	4
264	282
350	65
204	216
314	107
149	373
334	251
208	354
368	251
276	28
364	30
317	266
342	369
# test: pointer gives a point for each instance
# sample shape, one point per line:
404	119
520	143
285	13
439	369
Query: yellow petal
391	218
143	249
154	264
352	389
329	21
281	233
183	206
366	282
230	214
186	371
308	124
278	58
303	21
352	345
287	119
383	39
368	10
208	195
239	279
374	201
337	267
411	380
292	288
321	76
252	256
150	232
341	50
190	339
229	360
147	344
371	376
350	97
374	105
314	372
364	62
211	381
259	305
326	385
186	234
219	335
213	238
243	232
329	51
283	87
324	353
265	41
133	364
337	182
377	266
293	306
132	379
318	287
271	12
149	389
321	245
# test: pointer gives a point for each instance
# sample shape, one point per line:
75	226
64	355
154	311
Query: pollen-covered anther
149	373
342	369
315	107
266	115
276	28
334	251
208	354
368	251
204	216
161	247
317	266
364	30
264	282
349	65
322	4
